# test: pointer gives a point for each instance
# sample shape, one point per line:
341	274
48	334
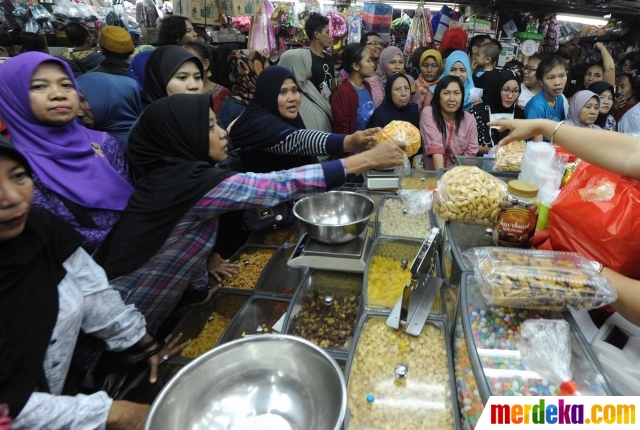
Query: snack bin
394	220
278	279
274	236
404	381
377	197
203	330
385	278
487	361
257	316
486	164
253	267
419	180
325	310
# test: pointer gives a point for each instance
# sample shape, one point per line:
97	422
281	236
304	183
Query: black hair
32	42
536	56
201	32
76	33
633	58
365	37
173	29
478	40
513	63
15	155
547	63
315	22
492	50
202	51
446	53
633	80
351	55
437	108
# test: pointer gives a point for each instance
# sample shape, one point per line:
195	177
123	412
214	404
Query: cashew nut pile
468	194
420	401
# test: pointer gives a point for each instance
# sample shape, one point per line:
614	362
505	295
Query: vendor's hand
520	129
171	348
361	141
387	154
600	46
126	415
218	267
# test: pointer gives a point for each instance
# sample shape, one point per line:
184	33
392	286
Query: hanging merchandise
262	36
147	13
242	23
441	22
454	38
401	24
551	41
377	17
420	33
355	28
337	29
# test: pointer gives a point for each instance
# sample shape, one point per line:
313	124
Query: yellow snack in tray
402	131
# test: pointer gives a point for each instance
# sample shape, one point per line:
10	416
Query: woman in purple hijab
80	175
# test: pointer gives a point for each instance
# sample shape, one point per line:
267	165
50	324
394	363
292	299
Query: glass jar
517	215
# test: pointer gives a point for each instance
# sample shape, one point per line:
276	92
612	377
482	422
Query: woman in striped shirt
158	250
271	135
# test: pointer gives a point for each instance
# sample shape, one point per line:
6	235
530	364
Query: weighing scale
418	296
617	346
344	257
381	180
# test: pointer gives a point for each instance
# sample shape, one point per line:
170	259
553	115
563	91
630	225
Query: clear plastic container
403	381
279	279
420	180
272	236
377	197
257	316
325	309
394	220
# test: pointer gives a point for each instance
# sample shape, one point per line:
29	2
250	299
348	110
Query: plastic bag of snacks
468	194
534	279
509	157
402	131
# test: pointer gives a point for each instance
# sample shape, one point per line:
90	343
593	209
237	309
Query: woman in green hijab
314	109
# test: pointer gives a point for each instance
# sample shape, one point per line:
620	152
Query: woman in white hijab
314	109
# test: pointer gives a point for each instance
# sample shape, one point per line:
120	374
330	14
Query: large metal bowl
335	217
263	382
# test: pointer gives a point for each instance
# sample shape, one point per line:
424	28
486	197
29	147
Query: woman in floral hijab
246	66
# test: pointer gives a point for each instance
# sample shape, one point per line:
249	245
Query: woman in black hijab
158	249
396	105
50	289
606	92
270	134
171	70
501	102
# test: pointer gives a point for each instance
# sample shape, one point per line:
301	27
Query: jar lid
522	188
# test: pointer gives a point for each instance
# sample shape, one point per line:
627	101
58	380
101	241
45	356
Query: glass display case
487	360
404	381
325	310
278	279
395	220
257	316
252	260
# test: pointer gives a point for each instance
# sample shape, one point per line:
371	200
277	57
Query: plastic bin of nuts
420	180
395	220
377	197
540	279
271	236
252	260
405	382
487	359
205	324
325	309
386	274
278	279
257	316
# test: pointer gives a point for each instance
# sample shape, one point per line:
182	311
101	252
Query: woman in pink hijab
391	61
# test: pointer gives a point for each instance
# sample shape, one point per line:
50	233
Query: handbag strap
79	213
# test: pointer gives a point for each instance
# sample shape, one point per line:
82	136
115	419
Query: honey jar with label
517	215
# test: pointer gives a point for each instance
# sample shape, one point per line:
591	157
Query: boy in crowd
322	69
82	58
484	68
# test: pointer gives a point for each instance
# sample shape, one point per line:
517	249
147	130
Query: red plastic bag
605	231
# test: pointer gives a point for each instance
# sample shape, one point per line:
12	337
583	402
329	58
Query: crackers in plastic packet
468	194
402	131
509	157
532	279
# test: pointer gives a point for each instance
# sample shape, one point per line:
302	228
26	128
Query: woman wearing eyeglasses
501	103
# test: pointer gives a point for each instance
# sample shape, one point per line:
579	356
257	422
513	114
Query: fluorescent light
582	19
404	5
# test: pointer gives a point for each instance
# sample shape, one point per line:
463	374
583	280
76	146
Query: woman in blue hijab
458	65
109	103
137	66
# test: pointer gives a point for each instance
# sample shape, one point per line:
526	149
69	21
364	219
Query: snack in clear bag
599	189
509	157
468	194
545	348
402	131
533	279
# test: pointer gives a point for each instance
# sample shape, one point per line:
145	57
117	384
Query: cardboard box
240	7
199	11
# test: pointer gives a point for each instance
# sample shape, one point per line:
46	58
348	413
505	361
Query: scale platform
346	257
381	180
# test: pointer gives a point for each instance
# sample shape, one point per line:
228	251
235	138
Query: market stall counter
487	360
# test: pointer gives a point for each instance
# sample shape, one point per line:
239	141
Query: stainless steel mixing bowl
268	382
335	217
